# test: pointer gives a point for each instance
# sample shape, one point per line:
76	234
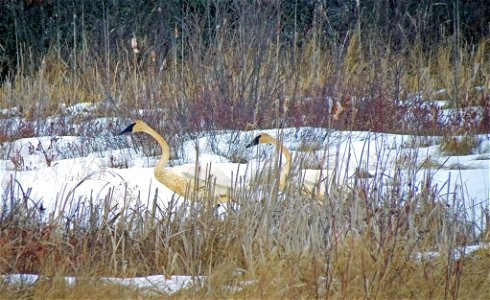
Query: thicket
254	63
187	66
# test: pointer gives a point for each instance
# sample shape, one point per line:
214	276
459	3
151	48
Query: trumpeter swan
181	178
311	180
265	138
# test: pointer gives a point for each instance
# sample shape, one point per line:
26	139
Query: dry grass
237	84
459	145
360	241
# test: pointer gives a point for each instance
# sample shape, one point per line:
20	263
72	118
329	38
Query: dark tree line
34	26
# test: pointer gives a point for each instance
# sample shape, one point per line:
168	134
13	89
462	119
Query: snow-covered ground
156	284
54	171
45	169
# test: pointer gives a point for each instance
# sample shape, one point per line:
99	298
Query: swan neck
163	144
286	167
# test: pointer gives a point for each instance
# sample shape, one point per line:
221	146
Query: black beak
255	142
128	129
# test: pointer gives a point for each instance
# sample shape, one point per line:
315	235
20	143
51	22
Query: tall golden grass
236	74
361	240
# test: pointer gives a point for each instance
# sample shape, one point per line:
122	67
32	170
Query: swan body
312	182
183	178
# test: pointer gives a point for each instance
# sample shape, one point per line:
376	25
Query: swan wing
313	179
220	172
226	173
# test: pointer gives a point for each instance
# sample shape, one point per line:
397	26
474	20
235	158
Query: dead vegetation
361	240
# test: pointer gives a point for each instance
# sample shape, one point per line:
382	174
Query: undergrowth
363	238
241	79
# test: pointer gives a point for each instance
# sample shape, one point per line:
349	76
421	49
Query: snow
153	283
54	167
455	254
52	170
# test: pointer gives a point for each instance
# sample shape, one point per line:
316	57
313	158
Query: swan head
261	138
136	126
